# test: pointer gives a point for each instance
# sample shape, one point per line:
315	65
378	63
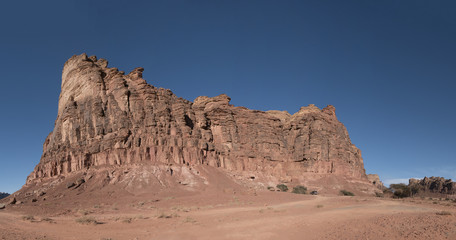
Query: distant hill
3	195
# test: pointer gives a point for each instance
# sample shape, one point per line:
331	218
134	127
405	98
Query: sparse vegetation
320	206
28	218
87	220
346	193
127	220
379	194
165	215
282	187
141	217
189	220
299	190
401	190
84	212
271	188
181	209
46	219
443	213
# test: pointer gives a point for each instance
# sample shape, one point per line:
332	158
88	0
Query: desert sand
232	215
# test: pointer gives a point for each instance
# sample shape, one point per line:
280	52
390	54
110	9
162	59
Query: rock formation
375	180
438	185
3	195
109	118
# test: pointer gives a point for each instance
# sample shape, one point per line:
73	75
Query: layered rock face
106	117
433	185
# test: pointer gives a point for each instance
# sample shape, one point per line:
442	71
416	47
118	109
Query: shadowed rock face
3	195
108	118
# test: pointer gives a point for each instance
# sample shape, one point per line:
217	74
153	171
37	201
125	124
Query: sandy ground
263	215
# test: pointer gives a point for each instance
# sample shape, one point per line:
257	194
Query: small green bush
346	193
282	187
299	190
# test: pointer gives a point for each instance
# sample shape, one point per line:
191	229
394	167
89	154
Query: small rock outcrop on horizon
109	118
432	185
3	195
375	180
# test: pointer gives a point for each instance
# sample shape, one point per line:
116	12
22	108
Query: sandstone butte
108	119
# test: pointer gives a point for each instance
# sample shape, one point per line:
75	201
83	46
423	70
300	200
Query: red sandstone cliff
107	118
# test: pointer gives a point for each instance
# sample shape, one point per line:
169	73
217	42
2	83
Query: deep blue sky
389	67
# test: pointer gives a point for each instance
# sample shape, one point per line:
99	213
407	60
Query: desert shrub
379	194
282	187
165	215
84	212
46	219
400	190
346	193
319	206
443	213
271	188
28	217
189	220
87	220
127	220
299	190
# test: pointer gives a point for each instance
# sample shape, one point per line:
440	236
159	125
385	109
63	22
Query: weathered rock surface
108	118
12	201
375	180
433	185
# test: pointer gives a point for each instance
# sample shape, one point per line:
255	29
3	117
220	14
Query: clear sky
389	68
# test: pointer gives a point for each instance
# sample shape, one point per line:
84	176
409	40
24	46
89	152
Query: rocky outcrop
107	117
375	180
3	195
432	185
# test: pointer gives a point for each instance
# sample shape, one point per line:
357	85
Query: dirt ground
255	215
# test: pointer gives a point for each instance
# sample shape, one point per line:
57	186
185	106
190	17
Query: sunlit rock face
432	185
107	117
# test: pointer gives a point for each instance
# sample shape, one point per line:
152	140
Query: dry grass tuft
166	215
444	213
87	220
28	218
